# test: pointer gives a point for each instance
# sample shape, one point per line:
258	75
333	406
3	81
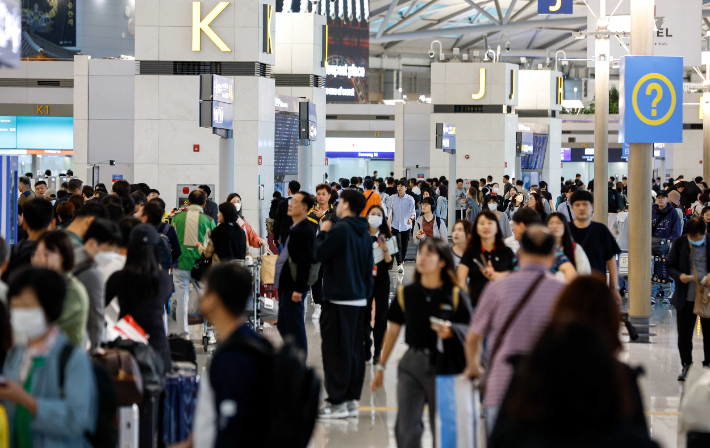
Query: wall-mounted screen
359	148
533	156
54	20
37	135
286	144
348	46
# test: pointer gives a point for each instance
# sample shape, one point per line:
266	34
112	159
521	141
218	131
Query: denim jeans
182	278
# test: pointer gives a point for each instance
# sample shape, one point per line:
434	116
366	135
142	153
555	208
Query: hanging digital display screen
54	20
36	133
286	131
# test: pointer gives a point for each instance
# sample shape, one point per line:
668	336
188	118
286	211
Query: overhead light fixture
603	23
578	35
572	104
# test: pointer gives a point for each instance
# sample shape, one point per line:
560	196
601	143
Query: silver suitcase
128	427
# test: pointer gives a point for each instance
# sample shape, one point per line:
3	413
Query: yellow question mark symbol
659	94
557	6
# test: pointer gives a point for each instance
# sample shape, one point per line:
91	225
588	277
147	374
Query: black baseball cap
663	193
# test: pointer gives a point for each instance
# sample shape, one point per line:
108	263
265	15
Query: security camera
508	47
564	63
111	162
431	53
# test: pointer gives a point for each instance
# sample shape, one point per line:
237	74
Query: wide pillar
541	95
170	148
479	99
300	72
640	173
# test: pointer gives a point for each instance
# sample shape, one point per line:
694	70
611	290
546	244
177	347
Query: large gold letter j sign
204	25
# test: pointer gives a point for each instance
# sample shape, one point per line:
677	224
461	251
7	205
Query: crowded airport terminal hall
354	223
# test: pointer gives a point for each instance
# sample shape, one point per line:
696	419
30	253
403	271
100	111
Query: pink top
497	301
253	238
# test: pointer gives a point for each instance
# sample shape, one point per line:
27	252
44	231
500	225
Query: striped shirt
497	302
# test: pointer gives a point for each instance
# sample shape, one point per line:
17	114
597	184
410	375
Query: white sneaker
316	312
352	407
331	411
401	269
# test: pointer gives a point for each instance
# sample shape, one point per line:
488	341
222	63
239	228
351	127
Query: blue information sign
651	99
222	115
554	6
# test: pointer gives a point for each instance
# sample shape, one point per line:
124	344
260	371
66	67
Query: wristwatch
380	368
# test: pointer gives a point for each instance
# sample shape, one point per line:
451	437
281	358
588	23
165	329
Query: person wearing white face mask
687	263
253	238
428	225
493	204
499	200
380	231
38	414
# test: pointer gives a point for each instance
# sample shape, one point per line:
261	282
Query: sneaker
684	372
401	269
330	411
316	313
352	407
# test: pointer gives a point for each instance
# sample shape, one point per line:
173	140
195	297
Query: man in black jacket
282	222
37	216
345	252
298	253
211	208
684	274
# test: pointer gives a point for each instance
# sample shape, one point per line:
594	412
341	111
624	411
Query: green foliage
613	104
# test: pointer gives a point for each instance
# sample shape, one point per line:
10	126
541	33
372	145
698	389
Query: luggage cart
661	282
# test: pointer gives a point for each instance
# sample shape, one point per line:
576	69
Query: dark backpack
182	350
106	435
165	249
295	393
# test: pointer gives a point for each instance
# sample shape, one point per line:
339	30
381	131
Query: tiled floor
373	429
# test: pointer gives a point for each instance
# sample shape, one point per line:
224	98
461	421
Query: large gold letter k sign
204	25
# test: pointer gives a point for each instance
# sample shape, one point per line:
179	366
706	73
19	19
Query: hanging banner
651	99
677	27
54	20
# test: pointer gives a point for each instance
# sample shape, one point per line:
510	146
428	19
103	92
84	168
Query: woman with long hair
571	389
473	203
143	289
54	251
514	202
486	257
563	240
434	296
228	241
461	233
535	203
380	232
253	238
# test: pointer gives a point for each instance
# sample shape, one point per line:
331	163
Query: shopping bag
127	328
695	404
268	267
458	413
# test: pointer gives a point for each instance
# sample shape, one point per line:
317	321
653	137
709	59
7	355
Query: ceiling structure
407	27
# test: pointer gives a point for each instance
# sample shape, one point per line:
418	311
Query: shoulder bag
504	331
701	307
312	274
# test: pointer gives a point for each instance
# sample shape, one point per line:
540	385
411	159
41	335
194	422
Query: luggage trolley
254	313
661	285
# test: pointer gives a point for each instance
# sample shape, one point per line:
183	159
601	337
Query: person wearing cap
665	222
428	225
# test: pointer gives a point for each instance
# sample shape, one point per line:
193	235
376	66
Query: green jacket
75	313
192	226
